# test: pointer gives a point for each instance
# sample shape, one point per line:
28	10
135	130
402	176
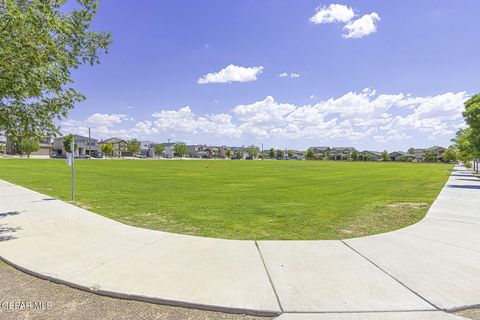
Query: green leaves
180	149
28	146
472	112
39	46
133	146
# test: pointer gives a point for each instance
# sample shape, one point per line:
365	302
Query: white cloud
291	75
362	27
338	13
232	73
355	116
333	13
102	125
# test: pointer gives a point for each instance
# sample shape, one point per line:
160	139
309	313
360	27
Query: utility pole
89	151
72	149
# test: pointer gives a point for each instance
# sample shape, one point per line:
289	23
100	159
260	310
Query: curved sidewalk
420	270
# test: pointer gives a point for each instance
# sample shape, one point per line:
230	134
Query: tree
367	156
450	154
107	149
67	142
411	151
464	144
429	156
238	154
280	154
41	43
272	153
180	149
228	153
310	154
328	155
385	155
3	148
28	146
354	155
159	149
290	154
133	146
472	112
252	151
403	158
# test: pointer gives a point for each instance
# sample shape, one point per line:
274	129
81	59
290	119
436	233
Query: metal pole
72	149
89	152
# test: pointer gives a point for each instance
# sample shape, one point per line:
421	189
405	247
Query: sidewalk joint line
110	260
391	276
363	311
454	220
268	275
438	241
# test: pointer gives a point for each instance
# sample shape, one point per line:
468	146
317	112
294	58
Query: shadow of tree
464	186
6	230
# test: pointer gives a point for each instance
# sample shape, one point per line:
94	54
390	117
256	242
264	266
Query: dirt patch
69	303
400	205
382	218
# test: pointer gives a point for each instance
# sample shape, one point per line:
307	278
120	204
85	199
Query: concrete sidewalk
426	268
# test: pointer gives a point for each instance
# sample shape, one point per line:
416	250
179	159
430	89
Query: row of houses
91	147
345	153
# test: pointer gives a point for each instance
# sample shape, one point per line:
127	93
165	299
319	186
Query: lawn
243	199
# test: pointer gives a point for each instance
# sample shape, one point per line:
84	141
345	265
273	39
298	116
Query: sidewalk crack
269	277
391	276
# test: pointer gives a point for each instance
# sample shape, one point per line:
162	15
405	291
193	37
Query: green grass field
243	199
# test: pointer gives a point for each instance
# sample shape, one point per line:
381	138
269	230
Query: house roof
341	149
112	140
436	147
76	136
376	153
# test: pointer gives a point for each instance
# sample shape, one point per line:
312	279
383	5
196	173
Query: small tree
272	153
159	149
228	153
310	154
367	156
252	151
67	142
328	155
238	154
133	146
28	146
3	148
279	154
450	155
354	155
290	154
385	155
107	149
429	156
403	158
180	149
411	151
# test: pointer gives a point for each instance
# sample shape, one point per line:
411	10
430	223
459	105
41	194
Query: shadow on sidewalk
5	230
463	186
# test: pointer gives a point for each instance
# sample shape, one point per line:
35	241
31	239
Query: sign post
72	148
71	162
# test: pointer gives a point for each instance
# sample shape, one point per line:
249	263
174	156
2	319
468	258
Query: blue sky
369	74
